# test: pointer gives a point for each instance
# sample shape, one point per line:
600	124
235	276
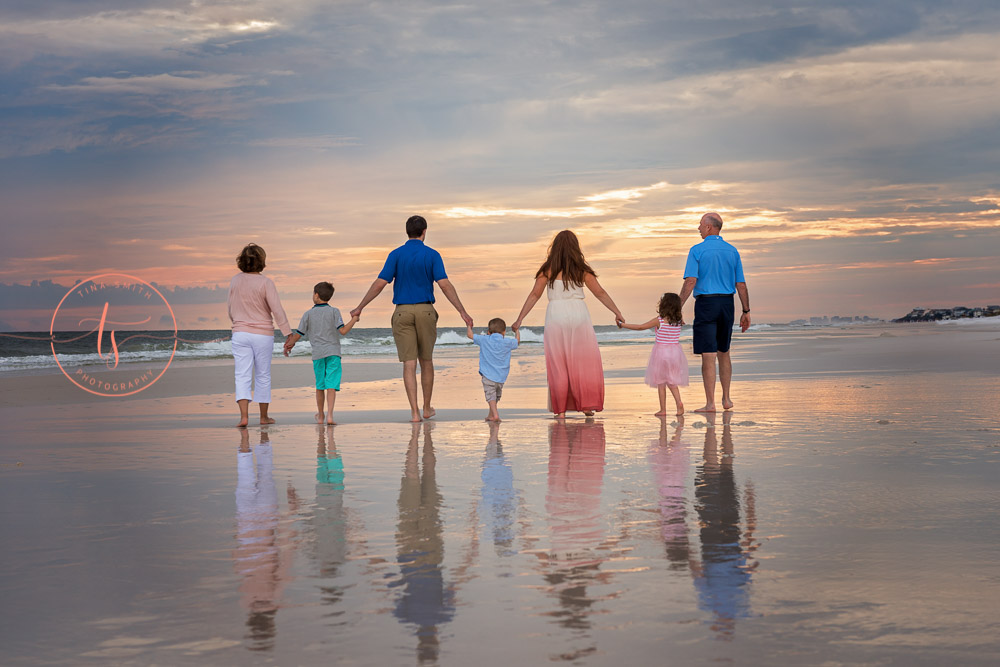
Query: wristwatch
746	311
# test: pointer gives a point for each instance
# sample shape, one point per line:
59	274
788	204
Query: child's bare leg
320	402
244	412
264	419
676	391
494	416
331	398
661	389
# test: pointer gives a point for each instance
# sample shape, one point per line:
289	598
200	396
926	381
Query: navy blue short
713	323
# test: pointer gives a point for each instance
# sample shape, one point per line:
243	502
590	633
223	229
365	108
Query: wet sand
843	513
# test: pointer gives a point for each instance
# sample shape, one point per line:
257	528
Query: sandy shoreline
884	349
857	469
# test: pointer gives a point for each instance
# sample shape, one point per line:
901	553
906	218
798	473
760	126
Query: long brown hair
566	258
669	308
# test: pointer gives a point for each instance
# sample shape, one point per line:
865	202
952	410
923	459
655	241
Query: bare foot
415	418
588	413
330	422
319	417
661	413
560	415
727	404
680	410
266	420
707	408
429	412
243	422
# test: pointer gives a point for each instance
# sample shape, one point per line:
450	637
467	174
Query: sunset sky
851	147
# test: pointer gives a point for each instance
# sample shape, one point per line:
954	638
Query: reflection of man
713	273
413	268
723	580
426	601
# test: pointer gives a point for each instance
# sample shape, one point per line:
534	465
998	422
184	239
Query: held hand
287	350
516	325
467	319
744	322
356	313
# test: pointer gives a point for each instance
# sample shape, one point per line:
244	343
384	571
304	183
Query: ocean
28	351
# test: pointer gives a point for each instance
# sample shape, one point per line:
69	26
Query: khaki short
493	390
414	328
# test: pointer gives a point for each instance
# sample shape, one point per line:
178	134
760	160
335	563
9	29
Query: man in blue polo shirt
413	268
713	273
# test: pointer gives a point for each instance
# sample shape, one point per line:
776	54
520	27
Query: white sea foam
452	338
968	321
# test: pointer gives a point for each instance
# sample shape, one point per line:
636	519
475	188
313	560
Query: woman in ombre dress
572	359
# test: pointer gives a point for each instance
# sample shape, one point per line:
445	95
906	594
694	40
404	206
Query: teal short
328	372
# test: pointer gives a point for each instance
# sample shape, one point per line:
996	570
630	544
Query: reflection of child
323	325
494	360
668	367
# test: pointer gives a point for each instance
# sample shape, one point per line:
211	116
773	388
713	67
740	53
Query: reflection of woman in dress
572	359
253	303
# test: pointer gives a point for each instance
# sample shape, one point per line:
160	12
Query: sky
852	148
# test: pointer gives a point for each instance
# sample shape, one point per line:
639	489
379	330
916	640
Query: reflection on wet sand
263	553
669	459
573	505
426	601
724	576
499	497
328	520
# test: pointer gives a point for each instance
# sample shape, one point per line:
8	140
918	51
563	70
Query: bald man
713	273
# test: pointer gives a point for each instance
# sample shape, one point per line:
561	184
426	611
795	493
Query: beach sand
844	513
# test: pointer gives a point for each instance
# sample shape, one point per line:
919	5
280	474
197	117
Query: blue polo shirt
413	268
717	266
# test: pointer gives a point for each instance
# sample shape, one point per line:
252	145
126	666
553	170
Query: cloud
831	132
155	84
319	142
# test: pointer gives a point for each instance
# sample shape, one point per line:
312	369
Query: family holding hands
712	274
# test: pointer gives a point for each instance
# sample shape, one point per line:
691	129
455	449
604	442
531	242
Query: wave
967	321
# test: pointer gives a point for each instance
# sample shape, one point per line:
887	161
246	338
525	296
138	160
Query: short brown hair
252	259
415	226
496	325
323	290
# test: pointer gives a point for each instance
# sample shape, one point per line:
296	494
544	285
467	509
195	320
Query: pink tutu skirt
667	365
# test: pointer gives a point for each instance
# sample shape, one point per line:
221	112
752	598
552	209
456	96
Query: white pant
252	353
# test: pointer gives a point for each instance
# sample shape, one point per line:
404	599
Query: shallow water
830	523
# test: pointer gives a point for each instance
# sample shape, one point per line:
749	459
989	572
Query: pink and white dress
572	359
667	363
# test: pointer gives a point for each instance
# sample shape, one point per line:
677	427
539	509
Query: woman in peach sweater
253	304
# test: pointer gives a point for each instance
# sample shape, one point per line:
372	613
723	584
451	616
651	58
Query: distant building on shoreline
956	313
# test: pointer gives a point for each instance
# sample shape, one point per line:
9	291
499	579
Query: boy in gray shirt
324	326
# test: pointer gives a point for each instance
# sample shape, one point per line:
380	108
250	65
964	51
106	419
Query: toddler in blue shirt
494	360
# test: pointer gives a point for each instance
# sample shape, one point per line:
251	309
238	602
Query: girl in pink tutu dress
668	367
